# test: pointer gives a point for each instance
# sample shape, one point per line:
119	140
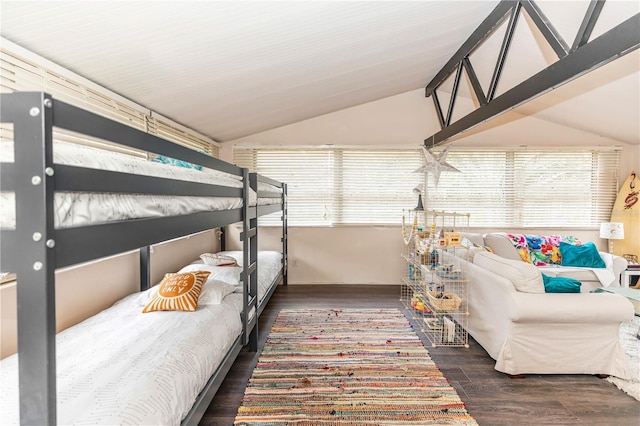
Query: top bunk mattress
78	209
125	367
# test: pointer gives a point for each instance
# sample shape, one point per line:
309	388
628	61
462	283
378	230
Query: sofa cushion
580	274
525	277
585	255
561	284
475	238
502	246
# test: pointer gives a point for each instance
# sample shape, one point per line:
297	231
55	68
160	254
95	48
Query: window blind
524	188
340	186
20	74
519	187
309	178
374	186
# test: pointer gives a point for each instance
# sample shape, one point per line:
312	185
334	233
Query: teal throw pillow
585	255
561	284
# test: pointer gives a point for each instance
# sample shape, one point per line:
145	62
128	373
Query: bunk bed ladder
28	250
249	276
285	262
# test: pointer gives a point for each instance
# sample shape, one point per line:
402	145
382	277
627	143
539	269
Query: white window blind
309	178
569	187
517	187
374	186
340	186
20	74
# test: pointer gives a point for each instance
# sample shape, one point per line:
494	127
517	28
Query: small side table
632	270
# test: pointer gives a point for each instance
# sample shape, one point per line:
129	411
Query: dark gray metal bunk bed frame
34	249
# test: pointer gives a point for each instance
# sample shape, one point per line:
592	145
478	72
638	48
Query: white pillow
213	292
227	274
524	276
200	267
218	259
145	296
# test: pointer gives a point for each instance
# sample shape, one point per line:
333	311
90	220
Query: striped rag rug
347	367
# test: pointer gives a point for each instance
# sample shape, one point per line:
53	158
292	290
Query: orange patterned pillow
178	292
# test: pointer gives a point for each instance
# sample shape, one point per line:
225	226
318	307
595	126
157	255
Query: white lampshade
612	230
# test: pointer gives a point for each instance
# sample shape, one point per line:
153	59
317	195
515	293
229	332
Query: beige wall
357	254
85	290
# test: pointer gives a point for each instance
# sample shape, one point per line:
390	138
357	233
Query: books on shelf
449	333
433	323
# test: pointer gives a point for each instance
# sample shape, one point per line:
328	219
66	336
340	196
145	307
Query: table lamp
612	231
418	190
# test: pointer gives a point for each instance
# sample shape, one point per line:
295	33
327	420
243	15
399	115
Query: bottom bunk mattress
125	367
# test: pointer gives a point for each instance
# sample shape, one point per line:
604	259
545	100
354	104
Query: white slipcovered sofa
528	331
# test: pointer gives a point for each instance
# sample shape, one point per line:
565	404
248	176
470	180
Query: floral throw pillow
541	250
545	249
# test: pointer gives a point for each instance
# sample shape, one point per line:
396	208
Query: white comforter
125	367
77	209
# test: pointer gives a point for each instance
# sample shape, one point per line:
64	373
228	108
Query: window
309	178
515	188
529	188
340	186
374	186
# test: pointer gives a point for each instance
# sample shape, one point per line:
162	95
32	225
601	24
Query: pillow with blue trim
560	284
585	255
174	162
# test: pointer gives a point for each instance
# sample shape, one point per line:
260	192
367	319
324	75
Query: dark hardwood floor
491	397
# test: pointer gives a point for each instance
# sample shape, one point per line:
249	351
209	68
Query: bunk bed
36	241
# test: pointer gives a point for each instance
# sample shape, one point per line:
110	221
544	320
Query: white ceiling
231	69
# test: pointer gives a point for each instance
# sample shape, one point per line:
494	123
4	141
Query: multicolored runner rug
347	367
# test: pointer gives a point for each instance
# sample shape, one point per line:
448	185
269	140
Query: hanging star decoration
436	164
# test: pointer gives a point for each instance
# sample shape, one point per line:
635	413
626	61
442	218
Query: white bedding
269	264
76	209
125	367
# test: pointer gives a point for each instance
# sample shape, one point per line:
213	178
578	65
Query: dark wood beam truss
574	61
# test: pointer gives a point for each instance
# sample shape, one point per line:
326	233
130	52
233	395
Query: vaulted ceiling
231	69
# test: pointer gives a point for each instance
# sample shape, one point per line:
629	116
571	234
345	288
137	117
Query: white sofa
547	333
591	278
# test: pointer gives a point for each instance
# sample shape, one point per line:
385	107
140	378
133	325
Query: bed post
285	261
145	268
223	238
249	274
32	177
252	237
